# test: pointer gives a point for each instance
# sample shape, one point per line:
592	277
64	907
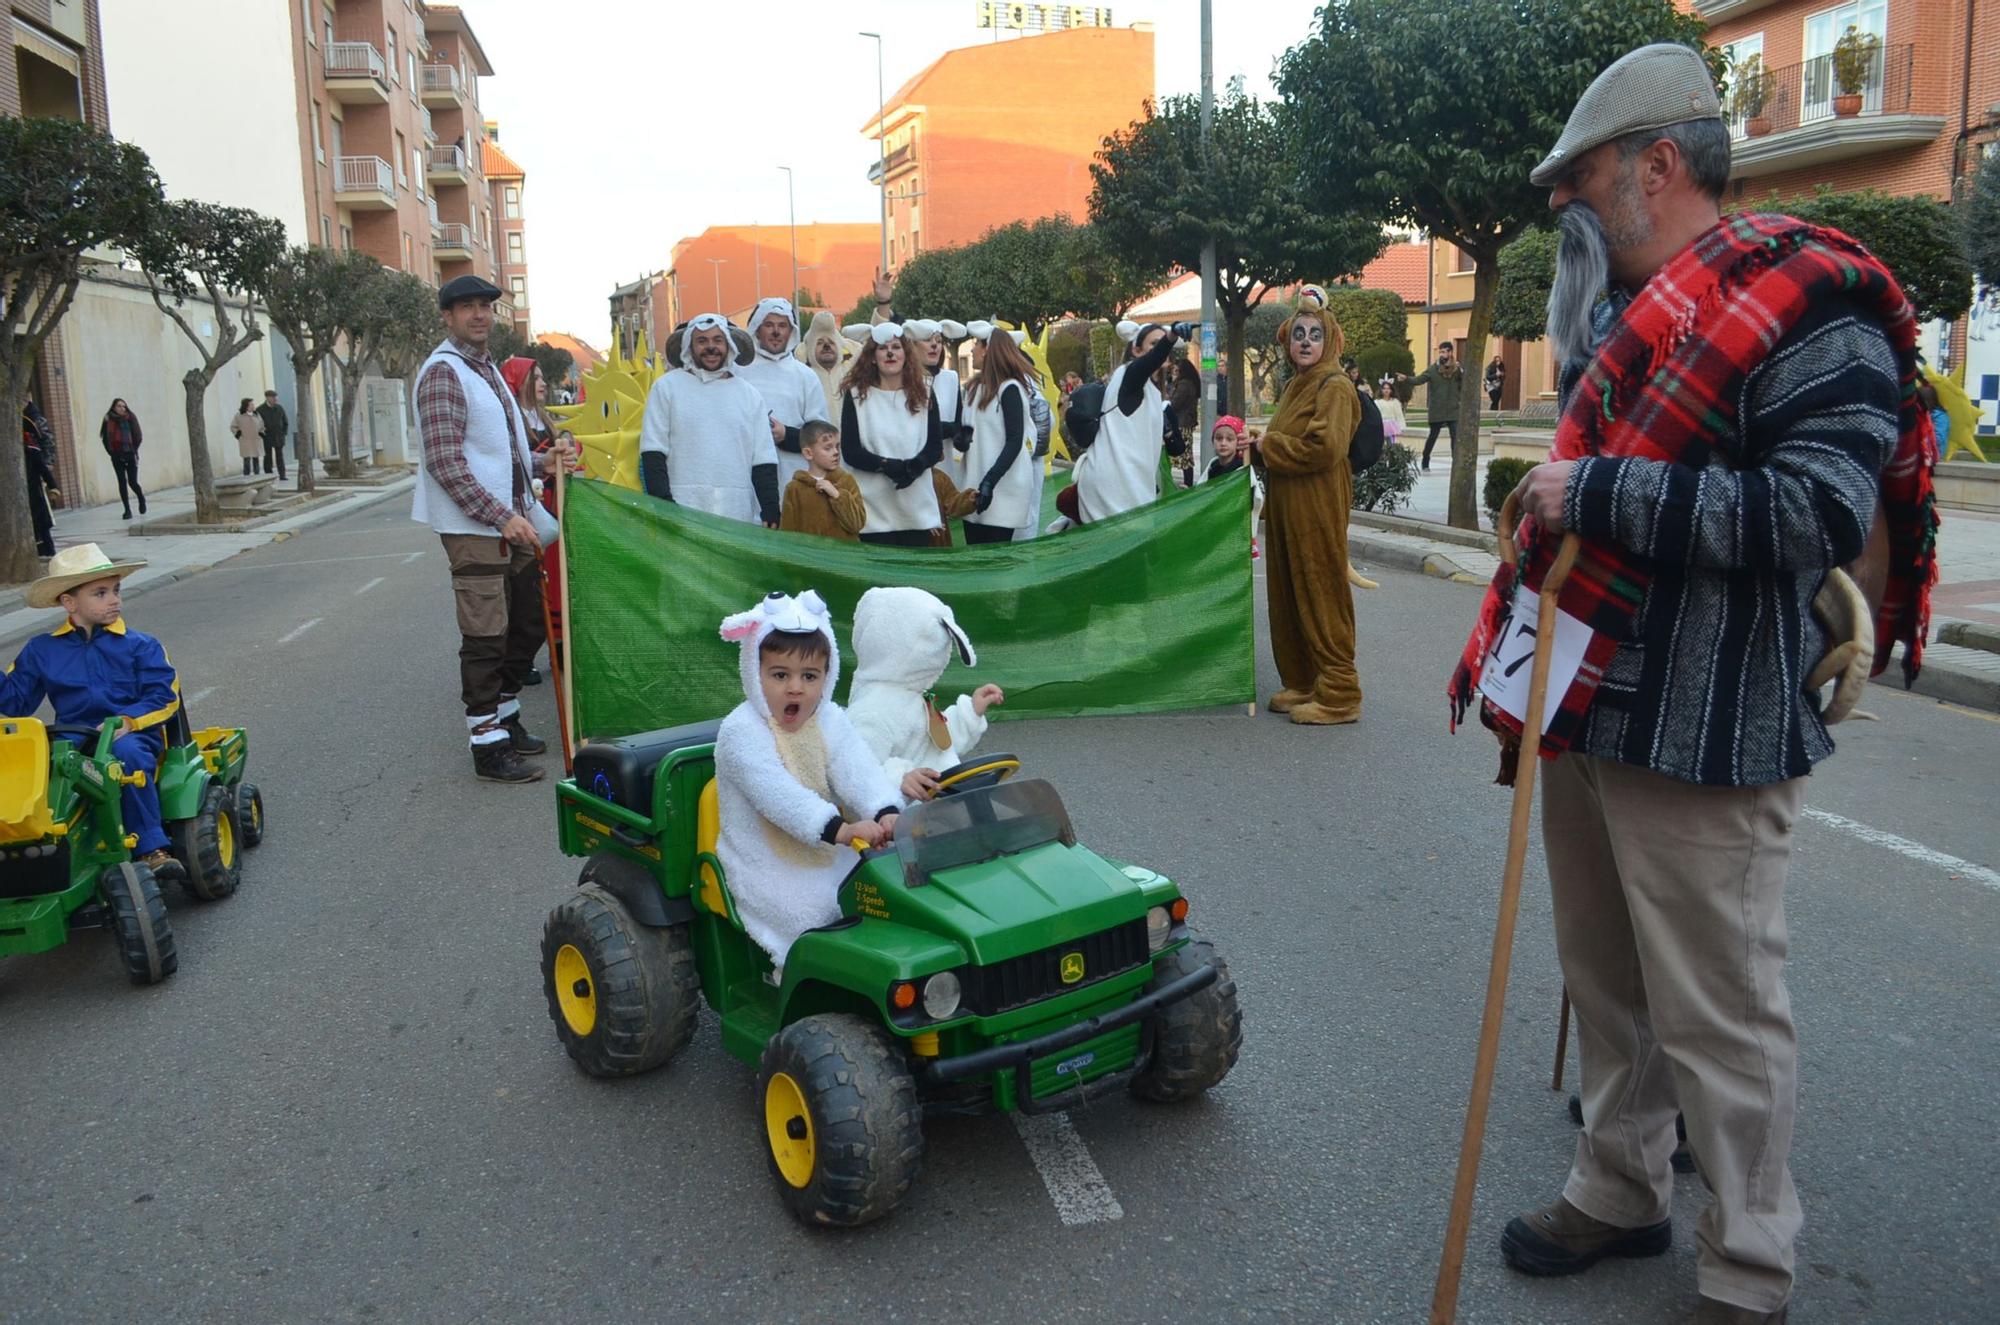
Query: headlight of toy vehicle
941	994
1158	923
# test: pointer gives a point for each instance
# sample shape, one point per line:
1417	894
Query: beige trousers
1670	923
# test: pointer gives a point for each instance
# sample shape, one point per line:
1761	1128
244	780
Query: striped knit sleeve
1796	491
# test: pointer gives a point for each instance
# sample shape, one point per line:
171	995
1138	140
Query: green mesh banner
1146	612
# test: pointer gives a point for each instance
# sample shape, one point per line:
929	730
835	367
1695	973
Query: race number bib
1510	662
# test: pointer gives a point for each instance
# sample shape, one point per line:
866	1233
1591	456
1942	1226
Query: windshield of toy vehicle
972	826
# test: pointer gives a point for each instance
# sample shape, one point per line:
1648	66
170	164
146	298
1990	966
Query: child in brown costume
822	498
1308	488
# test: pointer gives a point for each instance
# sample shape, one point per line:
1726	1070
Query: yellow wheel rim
225	841
788	1126
575	994
257	815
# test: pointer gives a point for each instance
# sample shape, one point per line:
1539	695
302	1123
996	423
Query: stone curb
1434	562
1970	635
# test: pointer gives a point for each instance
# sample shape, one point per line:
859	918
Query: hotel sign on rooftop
1041	18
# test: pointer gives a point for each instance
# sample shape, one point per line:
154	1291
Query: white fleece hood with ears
903	640
764	309
804	614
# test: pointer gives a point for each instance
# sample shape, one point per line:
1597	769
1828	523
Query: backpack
1366	446
1080	418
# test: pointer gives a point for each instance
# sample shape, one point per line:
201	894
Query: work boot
518	737
496	761
1310	714
1712	1312
1287	700
1561	1239
533	678
165	867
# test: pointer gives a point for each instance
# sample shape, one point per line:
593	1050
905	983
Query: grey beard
1583	268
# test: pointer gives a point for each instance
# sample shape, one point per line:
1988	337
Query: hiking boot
496	761
533	678
1561	1239
518	737
165	867
1287	700
1712	1312
1310	714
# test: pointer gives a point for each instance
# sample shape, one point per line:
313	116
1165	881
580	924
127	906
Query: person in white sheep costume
795	783
903	640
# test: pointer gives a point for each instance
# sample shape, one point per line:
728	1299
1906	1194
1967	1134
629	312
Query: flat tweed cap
1649	88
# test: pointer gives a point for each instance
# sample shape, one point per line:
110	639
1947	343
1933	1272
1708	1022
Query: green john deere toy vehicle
66	860
984	962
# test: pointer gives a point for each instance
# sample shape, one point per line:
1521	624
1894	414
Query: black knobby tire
249	813
210	847
1195	1041
866	1122
642	985
139	923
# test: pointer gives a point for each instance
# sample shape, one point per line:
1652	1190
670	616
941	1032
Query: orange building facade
728	268
506	184
1006	131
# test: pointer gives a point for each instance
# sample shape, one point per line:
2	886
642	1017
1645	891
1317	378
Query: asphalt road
349	1103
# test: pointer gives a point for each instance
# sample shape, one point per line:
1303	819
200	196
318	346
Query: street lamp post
792	213
882	144
716	263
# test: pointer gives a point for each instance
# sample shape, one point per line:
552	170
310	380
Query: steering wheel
82	733
978	774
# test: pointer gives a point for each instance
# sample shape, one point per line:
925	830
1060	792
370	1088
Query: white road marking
320	561
366	587
1078	1189
299	630
1904	847
200	695
414	556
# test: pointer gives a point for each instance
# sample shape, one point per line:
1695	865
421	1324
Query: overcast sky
639	124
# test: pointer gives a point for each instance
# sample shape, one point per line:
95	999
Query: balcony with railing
1806	120
356	74
453	242
442	88
365	183
445	164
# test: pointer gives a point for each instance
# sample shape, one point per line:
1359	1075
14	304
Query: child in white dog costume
903	640
793	789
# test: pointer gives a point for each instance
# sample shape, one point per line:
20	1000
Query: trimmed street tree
65	189
556	363
395	328
1982	220
310	300
1434	115
1157	200
1527	270
226	255
1103	282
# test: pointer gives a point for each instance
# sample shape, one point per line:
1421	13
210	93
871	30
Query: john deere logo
1072	967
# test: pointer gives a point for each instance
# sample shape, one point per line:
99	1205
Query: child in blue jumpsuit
91	668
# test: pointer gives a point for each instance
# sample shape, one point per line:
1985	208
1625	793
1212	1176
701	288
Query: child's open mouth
791	713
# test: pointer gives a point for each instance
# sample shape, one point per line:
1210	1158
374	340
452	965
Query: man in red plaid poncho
1738	411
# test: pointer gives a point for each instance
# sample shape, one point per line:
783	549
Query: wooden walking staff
1444	1298
565	687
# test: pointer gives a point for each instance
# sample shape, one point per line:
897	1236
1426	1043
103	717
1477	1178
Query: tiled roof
1404	268
496	164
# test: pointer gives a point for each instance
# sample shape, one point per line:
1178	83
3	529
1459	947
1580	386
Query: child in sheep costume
787	781
903	640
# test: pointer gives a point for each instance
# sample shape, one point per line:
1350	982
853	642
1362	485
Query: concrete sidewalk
176	556
1965	606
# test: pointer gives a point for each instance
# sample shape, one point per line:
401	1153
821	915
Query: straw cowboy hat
75	566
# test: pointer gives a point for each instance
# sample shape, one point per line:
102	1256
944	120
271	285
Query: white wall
210	92
116	343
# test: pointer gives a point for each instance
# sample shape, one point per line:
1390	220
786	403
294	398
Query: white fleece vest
493	437
890	430
1121	470
989	438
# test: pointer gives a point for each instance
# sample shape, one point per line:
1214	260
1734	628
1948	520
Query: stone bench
241	493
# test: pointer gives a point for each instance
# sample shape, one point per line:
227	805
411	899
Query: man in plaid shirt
475	492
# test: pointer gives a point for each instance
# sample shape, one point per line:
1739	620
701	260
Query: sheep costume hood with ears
680	348
903	640
825	328
783	308
782	796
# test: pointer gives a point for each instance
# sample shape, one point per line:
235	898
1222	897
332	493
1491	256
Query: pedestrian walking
1393	422
36	439
249	430
120	433
474	490
1496	382
1445	380
891	437
277	427
1766	422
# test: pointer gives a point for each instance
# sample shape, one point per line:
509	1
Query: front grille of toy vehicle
34	869
1038	975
